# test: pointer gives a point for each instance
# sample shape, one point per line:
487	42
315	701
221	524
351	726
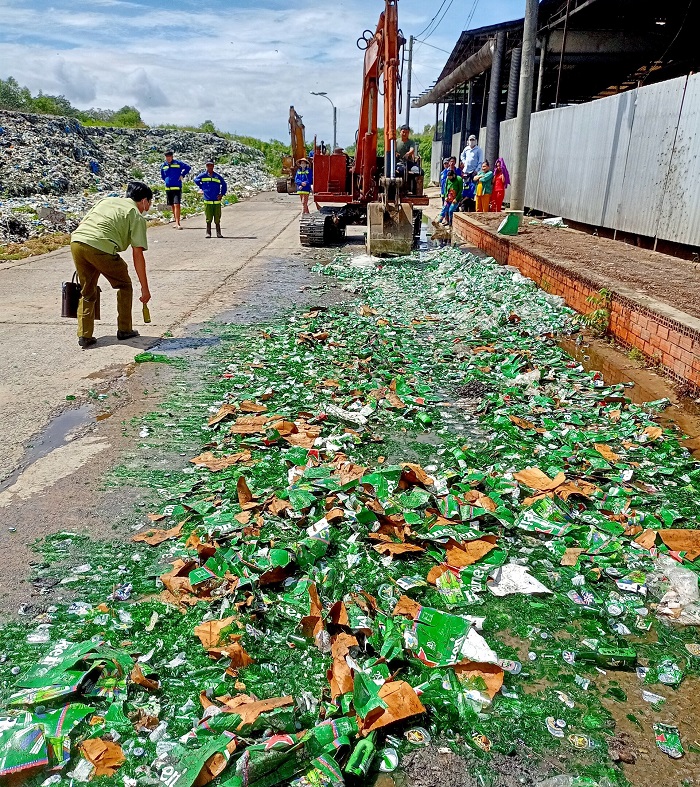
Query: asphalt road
191	280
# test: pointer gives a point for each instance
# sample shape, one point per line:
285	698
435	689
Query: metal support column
470	107
463	125
492	119
513	83
456	122
484	100
563	50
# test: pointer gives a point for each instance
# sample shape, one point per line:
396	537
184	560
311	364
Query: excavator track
320	229
314	229
282	185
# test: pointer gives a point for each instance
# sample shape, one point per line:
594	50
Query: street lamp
335	117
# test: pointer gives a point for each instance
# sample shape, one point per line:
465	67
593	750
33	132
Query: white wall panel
656	114
680	209
629	162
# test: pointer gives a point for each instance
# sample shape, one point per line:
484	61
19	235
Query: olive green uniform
113	225
212	211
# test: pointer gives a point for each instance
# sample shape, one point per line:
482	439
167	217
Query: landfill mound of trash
53	169
413	521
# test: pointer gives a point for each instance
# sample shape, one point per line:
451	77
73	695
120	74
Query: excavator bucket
389	230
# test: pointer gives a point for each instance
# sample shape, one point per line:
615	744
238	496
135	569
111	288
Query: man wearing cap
173	172
114	224
304	180
213	187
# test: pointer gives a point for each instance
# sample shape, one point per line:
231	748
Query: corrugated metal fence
630	162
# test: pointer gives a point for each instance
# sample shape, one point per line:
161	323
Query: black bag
70	298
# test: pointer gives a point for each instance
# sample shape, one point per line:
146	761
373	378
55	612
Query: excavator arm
364	181
381	72
285	184
392	41
296	129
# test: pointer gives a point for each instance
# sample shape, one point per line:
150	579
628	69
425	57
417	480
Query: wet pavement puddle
58	432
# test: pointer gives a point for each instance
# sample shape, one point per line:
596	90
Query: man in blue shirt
213	187
173	171
472	158
304	180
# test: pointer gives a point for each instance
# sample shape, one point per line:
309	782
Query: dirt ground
669	279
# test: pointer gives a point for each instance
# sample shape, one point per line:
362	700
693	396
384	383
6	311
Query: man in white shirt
472	158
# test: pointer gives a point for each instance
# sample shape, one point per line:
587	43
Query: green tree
380	141
273	150
14	97
19	99
127	117
208	127
53	105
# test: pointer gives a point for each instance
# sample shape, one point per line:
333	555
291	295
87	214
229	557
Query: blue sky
240	63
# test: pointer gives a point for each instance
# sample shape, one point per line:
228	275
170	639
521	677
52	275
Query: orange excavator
370	189
286	184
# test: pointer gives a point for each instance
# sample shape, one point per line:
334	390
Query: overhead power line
432	46
471	14
439	22
432	20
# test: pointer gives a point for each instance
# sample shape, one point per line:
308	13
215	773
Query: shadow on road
141	342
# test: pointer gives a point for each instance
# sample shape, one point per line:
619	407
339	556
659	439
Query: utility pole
335	117
522	122
408	81
544	43
335	128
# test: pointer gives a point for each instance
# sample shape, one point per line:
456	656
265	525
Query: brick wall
671	343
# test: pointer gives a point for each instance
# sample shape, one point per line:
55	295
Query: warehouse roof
611	46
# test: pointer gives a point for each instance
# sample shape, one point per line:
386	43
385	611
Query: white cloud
73	80
242	67
146	93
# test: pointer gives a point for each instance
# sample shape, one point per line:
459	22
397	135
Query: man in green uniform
112	225
213	188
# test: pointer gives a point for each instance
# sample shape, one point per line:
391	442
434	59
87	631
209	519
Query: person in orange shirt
484	187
